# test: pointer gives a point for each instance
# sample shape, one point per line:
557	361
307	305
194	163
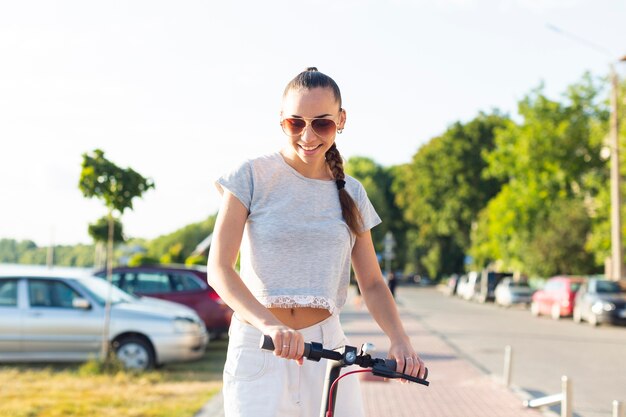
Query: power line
583	41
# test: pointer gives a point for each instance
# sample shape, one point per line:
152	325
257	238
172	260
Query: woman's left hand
407	360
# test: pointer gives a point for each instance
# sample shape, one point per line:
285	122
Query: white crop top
296	247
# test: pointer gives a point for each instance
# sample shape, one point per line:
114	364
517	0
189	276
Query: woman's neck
318	170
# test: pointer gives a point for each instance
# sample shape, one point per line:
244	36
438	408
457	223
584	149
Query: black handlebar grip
391	364
268	344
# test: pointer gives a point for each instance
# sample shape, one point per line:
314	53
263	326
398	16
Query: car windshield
608	287
519	285
98	289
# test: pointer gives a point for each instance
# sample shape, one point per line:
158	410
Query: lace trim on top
295	301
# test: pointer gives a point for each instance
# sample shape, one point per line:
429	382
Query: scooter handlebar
380	367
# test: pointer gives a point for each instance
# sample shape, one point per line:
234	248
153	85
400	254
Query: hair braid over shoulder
349	209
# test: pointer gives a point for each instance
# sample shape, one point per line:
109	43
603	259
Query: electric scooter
342	357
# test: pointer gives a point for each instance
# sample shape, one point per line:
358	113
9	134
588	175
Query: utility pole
616	270
617	252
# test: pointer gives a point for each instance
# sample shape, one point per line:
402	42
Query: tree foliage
557	245
116	186
99	231
550	160
373	178
179	245
27	252
377	182
442	190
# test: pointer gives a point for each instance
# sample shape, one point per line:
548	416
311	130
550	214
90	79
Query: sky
182	91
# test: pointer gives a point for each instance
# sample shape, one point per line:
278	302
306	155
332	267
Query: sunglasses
294	126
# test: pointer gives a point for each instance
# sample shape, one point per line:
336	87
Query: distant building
203	247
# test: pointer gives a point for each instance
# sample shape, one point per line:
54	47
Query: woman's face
307	104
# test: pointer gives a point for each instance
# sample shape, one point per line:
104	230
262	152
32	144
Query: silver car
60	319
509	292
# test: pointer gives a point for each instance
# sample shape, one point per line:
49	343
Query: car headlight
185	324
600	306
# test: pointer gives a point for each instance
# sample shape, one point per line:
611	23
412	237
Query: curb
212	408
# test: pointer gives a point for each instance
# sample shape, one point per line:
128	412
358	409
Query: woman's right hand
288	343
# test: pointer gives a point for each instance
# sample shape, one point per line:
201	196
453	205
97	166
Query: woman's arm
221	275
382	306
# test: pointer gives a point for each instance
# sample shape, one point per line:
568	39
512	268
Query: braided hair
307	80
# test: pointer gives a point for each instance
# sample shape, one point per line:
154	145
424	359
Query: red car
181	284
557	297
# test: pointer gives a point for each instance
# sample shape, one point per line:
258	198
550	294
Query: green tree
552	156
117	187
9	252
187	238
377	181
141	259
442	190
558	244
173	255
99	230
196	260
373	178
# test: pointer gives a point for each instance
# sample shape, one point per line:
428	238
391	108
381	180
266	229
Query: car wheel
593	320
578	317
135	353
556	312
534	309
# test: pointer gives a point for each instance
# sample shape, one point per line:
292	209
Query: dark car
600	301
181	284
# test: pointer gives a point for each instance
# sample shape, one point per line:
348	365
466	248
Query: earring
340	131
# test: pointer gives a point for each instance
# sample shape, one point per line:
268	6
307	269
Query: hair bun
311	69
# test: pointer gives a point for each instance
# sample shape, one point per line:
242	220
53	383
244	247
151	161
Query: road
543	349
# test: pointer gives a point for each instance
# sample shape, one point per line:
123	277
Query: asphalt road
543	349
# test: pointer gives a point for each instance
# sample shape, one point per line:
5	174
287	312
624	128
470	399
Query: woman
299	222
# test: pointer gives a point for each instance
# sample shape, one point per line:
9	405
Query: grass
36	390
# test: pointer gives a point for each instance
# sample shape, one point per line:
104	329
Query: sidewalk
457	388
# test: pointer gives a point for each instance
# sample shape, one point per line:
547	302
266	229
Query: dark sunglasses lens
324	127
293	127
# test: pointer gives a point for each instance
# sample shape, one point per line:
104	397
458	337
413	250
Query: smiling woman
300	223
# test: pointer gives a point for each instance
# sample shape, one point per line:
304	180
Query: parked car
181	284
509	292
60	319
600	301
421	280
485	286
557	297
467	287
452	284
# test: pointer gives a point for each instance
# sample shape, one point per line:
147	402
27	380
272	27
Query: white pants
259	384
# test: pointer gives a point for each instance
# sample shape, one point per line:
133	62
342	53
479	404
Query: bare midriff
301	317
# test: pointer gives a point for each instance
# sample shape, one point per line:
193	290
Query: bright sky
183	90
